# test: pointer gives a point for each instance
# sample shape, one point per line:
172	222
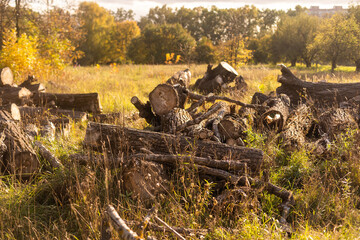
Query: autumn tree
123	15
234	52
156	41
337	39
354	12
293	36
205	51
97	23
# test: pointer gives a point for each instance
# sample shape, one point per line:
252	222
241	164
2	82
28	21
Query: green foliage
157	40
204	51
234	52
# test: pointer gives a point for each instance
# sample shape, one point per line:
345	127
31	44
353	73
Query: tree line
92	34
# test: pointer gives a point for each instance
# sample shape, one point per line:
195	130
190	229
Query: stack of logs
26	111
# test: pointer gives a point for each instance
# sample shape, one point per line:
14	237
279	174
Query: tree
205	51
241	21
158	16
261	49
4	5
97	25
354	11
234	52
123	15
293	36
337	38
156	41
122	35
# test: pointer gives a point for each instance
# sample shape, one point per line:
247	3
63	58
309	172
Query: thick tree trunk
333	65
6	77
357	64
322	93
293	62
83	102
117	139
15	95
20	158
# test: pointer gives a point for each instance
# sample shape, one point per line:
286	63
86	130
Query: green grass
70	204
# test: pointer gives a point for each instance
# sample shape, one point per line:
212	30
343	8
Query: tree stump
20	158
181	77
163	99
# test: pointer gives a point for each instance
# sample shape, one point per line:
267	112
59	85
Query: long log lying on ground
83	102
36	112
15	95
322	93
117	138
228	165
21	157
6	76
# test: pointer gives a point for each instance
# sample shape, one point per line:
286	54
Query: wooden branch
117	138
119	224
48	156
146	221
170	228
145	111
36	112
229	165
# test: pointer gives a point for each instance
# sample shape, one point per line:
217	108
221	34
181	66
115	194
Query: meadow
69	204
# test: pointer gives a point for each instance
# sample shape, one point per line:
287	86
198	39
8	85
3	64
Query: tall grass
69	204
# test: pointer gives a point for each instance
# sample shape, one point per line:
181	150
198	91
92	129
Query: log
322	93
82	102
146	112
34	88
41	112
296	128
163	99
336	121
145	180
13	109
117	138
275	117
20	158
48	156
232	127
181	77
228	165
173	120
259	98
6	77
15	95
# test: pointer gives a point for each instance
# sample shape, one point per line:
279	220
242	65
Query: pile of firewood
27	110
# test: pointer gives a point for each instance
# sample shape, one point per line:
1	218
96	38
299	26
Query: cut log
322	93
6	77
34	88
259	98
296	128
21	157
13	109
336	121
173	120
228	165
275	117
40	112
48	156
145	180
145	111
118	138
181	77
163	99
15	95
232	127
82	102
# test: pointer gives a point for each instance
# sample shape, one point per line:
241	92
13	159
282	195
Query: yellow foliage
234	52
170	58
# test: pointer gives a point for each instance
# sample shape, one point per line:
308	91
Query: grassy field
69	204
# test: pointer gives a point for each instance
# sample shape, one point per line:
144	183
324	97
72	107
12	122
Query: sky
141	7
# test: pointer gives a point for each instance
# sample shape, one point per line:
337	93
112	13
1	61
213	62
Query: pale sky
141	7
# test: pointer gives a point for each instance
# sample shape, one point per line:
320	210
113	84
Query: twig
170	228
145	221
48	156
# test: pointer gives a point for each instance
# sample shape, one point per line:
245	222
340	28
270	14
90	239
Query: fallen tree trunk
20	158
228	165
36	112
15	95
83	102
117	138
6	77
322	93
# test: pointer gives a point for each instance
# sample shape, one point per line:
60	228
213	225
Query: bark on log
296	128
275	117
34	88
232	127
40	112
118	138
181	77
15	95
322	93
259	98
6	77
163	99
82	102
48	156
146	112
13	109
173	120
227	165
21	157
